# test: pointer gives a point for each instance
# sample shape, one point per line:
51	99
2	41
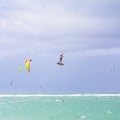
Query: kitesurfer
61	57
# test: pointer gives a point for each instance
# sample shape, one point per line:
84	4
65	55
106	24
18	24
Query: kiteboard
59	63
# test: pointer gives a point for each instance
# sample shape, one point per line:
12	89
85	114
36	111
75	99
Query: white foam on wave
54	95
109	112
59	100
2	103
82	117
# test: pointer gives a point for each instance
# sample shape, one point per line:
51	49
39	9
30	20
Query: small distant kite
113	69
11	83
27	65
20	69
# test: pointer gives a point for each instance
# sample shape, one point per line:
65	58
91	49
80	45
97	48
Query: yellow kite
27	64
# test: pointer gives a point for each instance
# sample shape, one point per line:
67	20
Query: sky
86	31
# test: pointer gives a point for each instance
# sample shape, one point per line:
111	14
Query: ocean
60	107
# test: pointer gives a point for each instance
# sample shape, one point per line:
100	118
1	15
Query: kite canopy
27	64
20	69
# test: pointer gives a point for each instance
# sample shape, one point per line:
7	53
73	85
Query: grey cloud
68	25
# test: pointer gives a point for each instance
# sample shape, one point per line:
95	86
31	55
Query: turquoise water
60	108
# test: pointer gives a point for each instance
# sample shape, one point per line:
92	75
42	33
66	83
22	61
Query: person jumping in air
27	64
60	60
61	57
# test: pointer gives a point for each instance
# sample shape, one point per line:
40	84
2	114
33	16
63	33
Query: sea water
59	107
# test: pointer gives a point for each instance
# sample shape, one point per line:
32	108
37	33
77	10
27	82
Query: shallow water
60	108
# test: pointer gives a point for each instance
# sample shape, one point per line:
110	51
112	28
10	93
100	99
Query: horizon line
54	95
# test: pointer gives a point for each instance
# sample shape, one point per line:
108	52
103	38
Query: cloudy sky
86	31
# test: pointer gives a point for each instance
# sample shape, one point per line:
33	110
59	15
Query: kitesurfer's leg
60	60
